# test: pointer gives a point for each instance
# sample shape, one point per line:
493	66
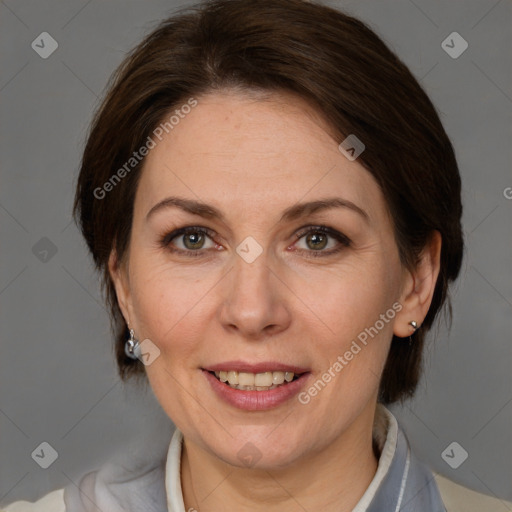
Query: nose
255	301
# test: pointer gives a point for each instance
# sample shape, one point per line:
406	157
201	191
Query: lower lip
256	400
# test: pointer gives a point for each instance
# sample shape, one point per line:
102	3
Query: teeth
263	379
245	379
254	381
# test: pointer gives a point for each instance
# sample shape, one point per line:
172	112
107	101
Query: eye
313	240
321	241
189	240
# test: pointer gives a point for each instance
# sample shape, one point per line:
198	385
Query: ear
418	287
119	275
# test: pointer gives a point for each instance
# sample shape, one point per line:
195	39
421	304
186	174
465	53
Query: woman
275	209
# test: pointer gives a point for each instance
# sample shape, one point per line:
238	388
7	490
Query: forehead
236	152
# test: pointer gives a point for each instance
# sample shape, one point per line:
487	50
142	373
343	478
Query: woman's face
288	261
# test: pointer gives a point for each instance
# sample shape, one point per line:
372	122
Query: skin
251	158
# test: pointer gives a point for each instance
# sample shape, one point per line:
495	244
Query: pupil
316	241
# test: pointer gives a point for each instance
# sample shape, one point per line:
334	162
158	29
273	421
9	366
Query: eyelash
165	241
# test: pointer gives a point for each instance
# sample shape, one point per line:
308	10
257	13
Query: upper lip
264	366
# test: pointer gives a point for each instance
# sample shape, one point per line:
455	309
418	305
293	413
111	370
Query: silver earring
414	325
132	347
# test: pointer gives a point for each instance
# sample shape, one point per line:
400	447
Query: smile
258	386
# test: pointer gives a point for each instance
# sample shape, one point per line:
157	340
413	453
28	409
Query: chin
259	447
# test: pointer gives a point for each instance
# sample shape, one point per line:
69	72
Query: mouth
256	386
263	381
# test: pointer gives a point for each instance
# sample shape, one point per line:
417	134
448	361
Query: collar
401	483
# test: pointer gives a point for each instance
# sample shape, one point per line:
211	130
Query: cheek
172	309
350	298
170	305
351	354
355	304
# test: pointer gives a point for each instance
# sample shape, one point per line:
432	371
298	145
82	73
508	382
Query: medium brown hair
334	61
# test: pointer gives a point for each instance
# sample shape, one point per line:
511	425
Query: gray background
57	376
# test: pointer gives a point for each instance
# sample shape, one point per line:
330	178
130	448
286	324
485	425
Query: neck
333	479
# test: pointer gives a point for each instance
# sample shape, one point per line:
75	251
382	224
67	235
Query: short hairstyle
332	60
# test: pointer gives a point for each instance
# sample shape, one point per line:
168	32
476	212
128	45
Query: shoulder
458	498
51	502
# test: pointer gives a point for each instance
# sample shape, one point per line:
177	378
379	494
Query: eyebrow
293	212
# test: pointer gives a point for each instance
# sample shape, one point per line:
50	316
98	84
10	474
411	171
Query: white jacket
401	483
